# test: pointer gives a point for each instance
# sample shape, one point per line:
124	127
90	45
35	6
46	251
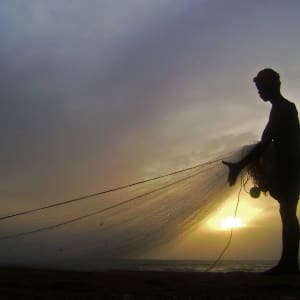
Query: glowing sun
230	222
223	218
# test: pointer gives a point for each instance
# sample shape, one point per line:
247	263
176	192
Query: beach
25	283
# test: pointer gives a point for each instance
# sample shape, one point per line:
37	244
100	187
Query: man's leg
290	234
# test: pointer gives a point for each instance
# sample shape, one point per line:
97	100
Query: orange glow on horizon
223	219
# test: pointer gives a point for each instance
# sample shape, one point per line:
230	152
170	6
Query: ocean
187	265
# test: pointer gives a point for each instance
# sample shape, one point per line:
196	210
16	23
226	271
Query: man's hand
234	170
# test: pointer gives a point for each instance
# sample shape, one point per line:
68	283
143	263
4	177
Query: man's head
268	84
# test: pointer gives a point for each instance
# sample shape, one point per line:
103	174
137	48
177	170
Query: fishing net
124	223
265	171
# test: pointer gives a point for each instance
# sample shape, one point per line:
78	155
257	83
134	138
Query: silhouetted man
282	133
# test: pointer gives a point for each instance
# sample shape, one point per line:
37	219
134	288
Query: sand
17	283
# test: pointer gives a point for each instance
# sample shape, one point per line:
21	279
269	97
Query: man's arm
255	153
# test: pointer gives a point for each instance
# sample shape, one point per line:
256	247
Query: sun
225	223
223	218
230	222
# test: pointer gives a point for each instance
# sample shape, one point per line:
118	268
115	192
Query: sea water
189	265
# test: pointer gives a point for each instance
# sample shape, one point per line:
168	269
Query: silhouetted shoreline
25	283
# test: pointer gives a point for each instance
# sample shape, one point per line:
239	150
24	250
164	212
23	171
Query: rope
107	191
218	259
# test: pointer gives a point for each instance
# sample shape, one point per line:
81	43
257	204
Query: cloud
95	95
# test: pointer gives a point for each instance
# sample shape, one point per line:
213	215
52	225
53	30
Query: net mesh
123	224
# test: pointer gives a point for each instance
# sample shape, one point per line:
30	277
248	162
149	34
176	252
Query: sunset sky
97	94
